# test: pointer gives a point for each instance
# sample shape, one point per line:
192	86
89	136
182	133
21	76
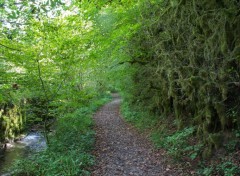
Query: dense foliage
45	67
189	65
177	60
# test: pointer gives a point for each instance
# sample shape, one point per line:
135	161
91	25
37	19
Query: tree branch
47	98
9	47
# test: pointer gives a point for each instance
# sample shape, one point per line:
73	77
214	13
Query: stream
30	144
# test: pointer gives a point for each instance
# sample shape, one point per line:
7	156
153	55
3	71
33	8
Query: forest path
120	150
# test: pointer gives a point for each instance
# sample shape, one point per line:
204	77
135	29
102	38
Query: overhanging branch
9	47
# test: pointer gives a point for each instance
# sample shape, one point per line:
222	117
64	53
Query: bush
69	149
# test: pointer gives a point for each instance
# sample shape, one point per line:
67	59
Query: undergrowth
162	134
68	153
182	144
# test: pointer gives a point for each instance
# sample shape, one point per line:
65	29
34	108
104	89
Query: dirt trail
120	150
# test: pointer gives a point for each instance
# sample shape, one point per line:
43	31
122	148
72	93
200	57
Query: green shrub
69	149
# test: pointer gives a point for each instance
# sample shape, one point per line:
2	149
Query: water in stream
33	142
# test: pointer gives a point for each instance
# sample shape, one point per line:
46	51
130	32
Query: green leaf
193	155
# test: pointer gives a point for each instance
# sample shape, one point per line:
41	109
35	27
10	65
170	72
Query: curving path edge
120	150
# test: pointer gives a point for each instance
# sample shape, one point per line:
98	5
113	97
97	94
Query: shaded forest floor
121	150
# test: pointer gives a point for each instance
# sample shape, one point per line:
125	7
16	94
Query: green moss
190	63
207	153
11	122
216	140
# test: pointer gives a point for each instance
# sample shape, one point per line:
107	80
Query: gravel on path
120	150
